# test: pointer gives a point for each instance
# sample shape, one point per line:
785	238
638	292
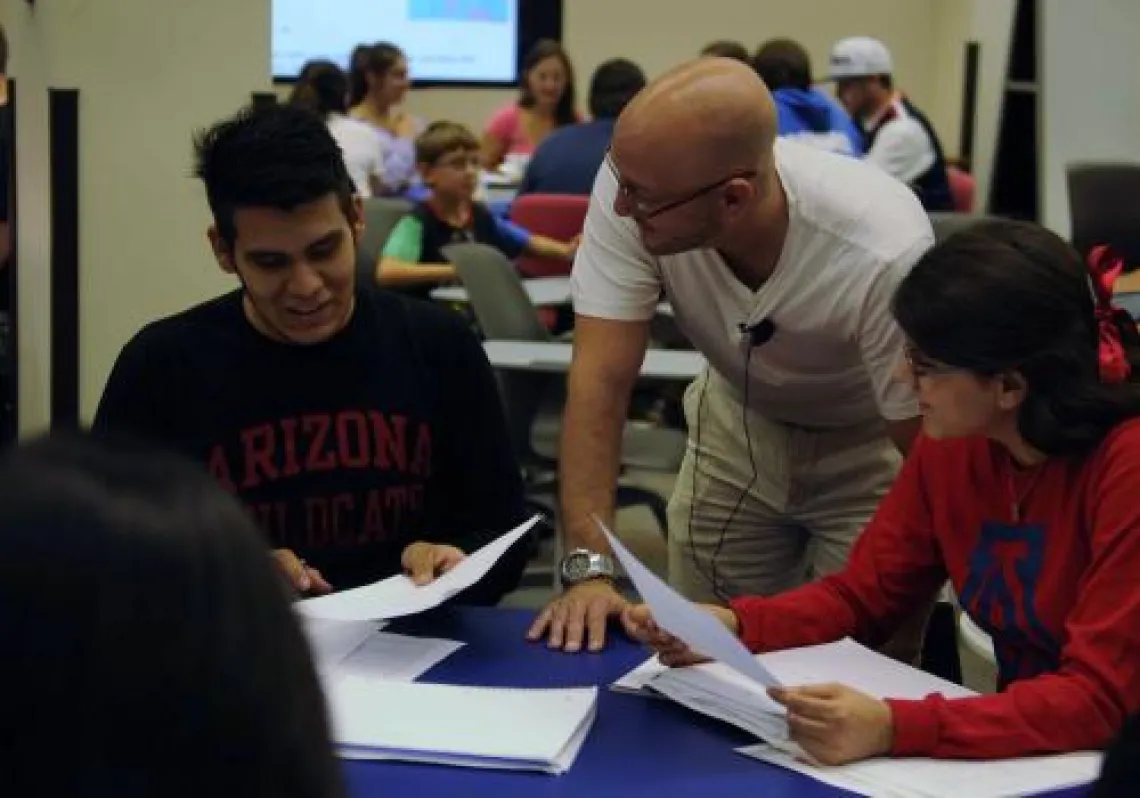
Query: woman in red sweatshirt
1023	491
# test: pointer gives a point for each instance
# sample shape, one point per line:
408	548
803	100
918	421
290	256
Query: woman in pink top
546	102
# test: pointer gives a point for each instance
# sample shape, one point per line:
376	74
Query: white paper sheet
397	658
331	641
637	680
398	595
454	725
685	620
945	778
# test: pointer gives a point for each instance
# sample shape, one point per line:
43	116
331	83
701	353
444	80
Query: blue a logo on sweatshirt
1000	593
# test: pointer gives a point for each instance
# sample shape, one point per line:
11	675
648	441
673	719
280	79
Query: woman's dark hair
274	157
322	87
370	59
783	64
565	113
1004	296
148	633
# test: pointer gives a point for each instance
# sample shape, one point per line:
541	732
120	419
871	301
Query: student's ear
1011	390
358	211
222	253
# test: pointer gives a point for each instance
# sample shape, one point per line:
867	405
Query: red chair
961	188
558	216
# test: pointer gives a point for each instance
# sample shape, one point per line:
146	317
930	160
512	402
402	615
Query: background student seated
448	156
364	430
157	651
1021	492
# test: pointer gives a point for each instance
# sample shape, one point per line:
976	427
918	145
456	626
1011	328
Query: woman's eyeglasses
921	366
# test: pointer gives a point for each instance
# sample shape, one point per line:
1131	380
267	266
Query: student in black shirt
448	157
362	429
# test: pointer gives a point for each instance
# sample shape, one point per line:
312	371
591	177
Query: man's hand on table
580	615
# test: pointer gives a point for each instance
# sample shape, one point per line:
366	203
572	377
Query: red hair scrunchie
1104	267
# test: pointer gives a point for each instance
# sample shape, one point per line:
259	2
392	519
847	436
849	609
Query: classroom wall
150	72
1090	99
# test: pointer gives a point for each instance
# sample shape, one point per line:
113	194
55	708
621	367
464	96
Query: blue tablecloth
638	746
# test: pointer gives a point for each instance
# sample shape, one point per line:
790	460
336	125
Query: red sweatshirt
1058	590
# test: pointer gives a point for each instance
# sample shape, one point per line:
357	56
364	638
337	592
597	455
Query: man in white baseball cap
900	139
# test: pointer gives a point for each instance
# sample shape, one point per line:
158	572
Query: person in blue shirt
567	161
804	113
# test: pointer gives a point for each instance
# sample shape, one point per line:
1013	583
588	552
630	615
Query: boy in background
447	155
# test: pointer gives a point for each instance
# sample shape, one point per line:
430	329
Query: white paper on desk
945	778
396	658
686	621
398	595
456	725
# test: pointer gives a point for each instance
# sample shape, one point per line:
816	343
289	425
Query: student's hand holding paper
836	724
639	624
302	577
423	561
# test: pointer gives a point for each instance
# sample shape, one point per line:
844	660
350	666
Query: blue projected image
458	10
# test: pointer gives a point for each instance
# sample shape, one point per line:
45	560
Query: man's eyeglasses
645	210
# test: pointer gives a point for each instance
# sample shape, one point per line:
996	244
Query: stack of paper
398	595
481	727
944	778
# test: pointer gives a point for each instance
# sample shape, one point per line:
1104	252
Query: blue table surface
637	747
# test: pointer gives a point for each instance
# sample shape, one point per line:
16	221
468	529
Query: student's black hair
1005	296
1120	774
3	51
783	64
565	112
370	59
322	87
273	157
725	48
149	637
613	85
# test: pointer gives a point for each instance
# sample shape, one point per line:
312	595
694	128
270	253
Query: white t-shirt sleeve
902	149
613	276
881	340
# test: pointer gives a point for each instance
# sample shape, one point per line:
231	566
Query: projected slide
449	40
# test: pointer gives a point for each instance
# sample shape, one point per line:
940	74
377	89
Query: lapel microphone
757	334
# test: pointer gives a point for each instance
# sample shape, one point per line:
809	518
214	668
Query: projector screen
448	41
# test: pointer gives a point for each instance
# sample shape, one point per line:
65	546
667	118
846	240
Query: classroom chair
962	189
381	215
533	401
1104	206
557	216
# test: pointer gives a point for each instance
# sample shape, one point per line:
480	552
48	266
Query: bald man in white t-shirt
781	262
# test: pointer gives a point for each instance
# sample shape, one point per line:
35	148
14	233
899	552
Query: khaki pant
787	517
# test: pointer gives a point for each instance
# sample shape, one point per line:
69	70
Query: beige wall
149	73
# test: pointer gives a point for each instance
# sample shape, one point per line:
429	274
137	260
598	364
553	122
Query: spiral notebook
480	727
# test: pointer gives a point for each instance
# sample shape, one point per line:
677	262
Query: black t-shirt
345	451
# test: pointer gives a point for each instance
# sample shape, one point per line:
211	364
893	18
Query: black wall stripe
63	119
969	106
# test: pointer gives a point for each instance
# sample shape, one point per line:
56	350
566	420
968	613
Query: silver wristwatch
581	565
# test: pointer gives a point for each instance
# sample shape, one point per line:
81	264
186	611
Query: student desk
638	747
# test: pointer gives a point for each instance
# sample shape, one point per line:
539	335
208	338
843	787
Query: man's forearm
590	455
